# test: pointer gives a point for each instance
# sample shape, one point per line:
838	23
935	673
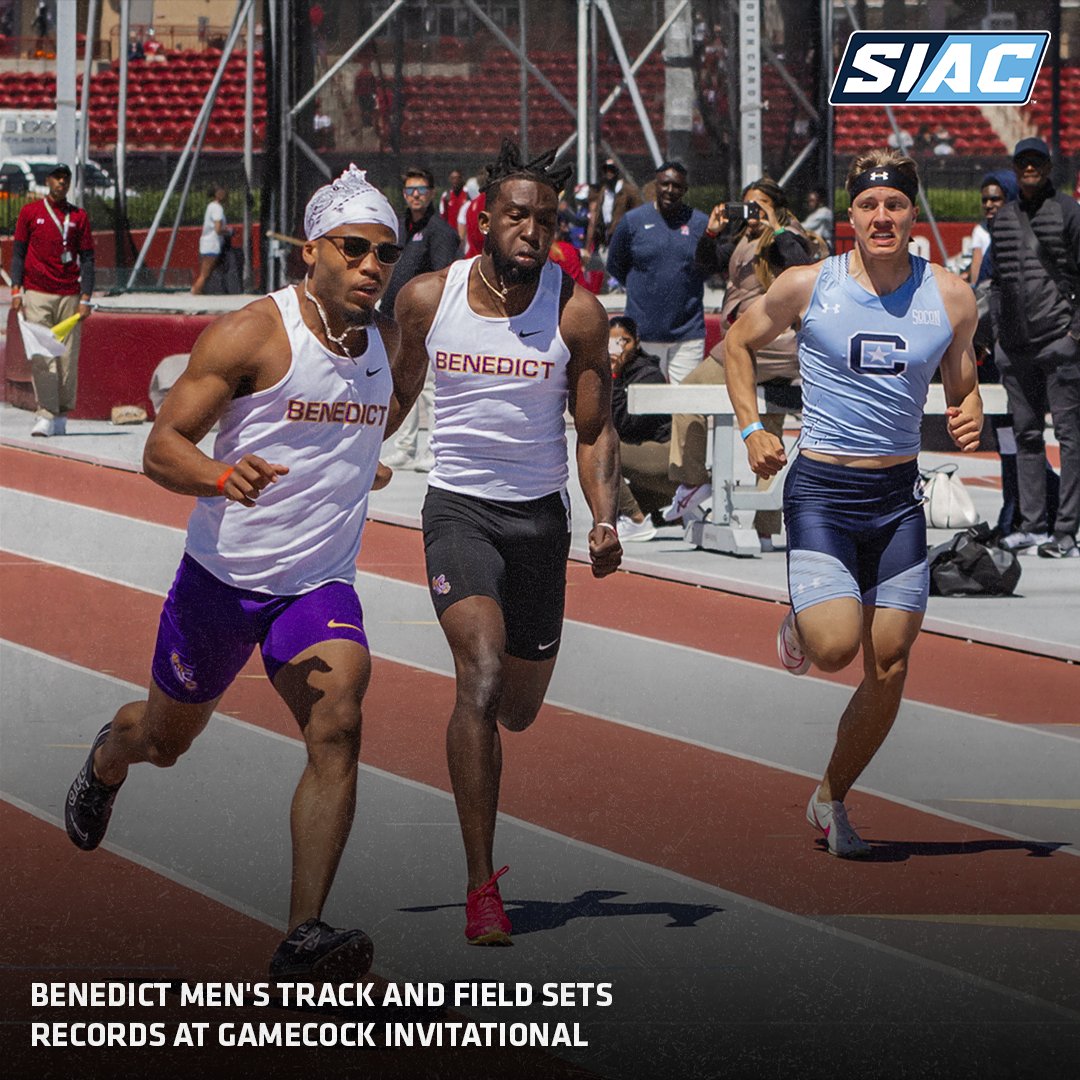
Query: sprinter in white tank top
298	376
865	359
508	338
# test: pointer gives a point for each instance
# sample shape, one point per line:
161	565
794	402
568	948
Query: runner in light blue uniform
874	325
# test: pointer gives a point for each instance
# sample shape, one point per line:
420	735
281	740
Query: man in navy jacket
652	254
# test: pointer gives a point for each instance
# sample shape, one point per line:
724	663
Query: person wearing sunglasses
301	387
513	342
430	244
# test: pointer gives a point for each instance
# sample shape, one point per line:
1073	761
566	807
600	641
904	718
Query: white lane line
703	655
802	921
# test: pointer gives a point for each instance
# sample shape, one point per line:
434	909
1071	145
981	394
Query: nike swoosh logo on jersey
532	333
372	371
651	225
333	624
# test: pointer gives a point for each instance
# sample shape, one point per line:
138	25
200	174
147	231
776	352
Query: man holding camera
652	255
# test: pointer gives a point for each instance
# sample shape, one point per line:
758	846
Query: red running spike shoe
485	921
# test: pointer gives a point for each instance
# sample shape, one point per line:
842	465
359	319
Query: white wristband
606	525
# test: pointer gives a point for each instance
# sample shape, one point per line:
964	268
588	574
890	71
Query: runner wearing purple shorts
301	385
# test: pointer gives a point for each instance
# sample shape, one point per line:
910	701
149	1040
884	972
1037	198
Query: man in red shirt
52	276
469	225
453	199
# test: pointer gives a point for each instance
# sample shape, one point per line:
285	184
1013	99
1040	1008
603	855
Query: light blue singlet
866	361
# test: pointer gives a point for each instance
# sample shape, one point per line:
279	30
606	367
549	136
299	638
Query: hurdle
723	530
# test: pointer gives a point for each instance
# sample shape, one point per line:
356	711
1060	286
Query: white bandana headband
349	200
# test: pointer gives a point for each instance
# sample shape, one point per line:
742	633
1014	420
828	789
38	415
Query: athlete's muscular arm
238	350
769	316
964	409
414	311
584	328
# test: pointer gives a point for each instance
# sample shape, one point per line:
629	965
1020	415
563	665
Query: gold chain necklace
335	339
499	294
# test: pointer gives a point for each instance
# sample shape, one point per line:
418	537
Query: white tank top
325	421
500	394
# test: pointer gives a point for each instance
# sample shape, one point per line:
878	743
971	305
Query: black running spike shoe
319	952
89	802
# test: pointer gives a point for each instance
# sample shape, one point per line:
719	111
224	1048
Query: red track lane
958	674
159	932
718	819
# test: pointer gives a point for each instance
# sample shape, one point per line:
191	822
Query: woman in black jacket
643	440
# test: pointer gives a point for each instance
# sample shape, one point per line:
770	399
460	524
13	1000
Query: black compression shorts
514	552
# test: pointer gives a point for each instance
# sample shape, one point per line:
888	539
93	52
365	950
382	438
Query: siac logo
915	68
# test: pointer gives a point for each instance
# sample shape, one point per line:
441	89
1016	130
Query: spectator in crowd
924	140
699	35
430	244
323	128
453	198
643	440
472	239
135	47
364	93
608	205
317	19
943	147
152	48
52	278
996	189
564	253
652	255
1036	255
751	252
40	26
819	218
215	232
900	139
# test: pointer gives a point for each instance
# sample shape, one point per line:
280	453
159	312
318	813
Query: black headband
884	176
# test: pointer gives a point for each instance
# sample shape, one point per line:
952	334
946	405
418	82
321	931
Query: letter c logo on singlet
874	354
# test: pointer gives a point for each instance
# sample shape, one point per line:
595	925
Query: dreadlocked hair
543	169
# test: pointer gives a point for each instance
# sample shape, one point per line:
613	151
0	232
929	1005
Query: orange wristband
220	485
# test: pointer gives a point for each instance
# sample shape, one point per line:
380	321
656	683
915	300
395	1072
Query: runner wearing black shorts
513	343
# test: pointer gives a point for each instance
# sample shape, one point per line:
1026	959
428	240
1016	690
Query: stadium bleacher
164	99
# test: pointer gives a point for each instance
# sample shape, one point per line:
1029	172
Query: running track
673	756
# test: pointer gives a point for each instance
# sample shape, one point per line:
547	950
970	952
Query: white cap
349	200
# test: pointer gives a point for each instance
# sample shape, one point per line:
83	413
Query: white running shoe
687	500
398	459
789	647
43	427
831	819
635	532
1024	543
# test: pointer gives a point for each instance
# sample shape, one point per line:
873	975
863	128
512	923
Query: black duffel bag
971	565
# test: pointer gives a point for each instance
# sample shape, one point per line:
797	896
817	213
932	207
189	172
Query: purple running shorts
209	629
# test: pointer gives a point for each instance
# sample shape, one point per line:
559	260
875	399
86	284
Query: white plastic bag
946	503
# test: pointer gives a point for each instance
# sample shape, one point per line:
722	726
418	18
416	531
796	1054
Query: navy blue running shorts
855	532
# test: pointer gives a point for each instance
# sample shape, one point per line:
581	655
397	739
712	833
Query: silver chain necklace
334	339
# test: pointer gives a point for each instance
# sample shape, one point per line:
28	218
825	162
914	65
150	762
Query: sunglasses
418	189
357	247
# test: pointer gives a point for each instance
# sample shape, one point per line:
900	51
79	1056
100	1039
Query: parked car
29	176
